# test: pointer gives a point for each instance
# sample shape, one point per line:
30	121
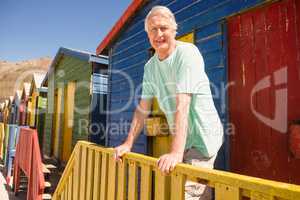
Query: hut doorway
57	119
68	120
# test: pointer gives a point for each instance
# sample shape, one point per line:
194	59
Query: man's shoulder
185	45
186	48
150	62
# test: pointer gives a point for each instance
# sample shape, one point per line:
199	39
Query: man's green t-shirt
183	72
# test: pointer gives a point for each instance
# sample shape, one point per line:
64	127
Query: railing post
90	174
77	171
132	181
83	173
111	178
177	186
146	182
162	186
70	189
103	190
121	190
97	176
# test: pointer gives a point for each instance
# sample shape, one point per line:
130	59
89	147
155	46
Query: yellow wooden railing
92	173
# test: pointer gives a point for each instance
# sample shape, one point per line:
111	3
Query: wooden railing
28	160
92	173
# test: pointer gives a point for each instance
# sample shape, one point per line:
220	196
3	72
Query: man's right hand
121	150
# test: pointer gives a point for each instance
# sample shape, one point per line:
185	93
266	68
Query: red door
264	55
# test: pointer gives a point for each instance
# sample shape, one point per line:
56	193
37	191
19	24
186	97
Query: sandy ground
6	192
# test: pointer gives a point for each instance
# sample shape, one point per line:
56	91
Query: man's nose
159	32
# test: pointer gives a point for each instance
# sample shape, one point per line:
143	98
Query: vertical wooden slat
90	174
70	189
55	196
83	168
62	196
66	192
67	189
146	181
122	169
77	173
103	190
132	181
97	176
262	99
162	186
248	81
177	186
111	178
281	57
224	192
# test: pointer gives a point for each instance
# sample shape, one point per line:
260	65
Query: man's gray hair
164	11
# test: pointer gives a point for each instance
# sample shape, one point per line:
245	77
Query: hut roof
36	82
17	96
38	79
82	55
25	90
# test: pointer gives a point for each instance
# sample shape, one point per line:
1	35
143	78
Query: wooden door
263	99
68	120
56	122
33	109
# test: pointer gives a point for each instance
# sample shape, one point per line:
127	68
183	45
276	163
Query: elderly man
175	76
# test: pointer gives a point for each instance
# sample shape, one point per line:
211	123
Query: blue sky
36	28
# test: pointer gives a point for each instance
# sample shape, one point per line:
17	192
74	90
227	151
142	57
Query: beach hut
6	111
2	136
69	81
6	127
2	131
249	49
10	109
15	107
1	111
23	107
38	97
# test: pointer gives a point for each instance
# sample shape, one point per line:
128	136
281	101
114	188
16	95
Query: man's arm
137	124
167	162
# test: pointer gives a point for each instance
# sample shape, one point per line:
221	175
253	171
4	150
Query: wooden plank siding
130	51
263	44
70	69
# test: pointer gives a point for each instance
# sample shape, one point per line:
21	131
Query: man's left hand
166	163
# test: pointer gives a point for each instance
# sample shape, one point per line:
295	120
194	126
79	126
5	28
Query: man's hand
137	124
166	163
121	150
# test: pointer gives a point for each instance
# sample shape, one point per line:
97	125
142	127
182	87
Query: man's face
160	33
